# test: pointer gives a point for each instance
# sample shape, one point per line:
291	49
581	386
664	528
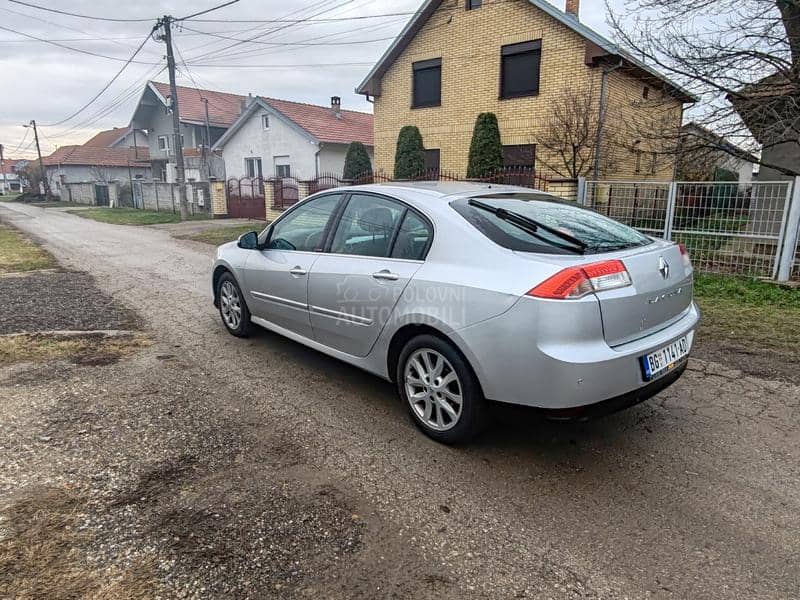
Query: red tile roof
319	121
106	138
91	156
9	164
223	108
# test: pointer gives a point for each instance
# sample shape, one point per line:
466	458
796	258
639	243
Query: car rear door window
304	227
598	232
367	226
413	238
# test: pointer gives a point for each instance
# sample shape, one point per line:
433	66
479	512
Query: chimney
336	106
572	8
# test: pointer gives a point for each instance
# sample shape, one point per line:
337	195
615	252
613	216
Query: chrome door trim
386	275
343	316
279	300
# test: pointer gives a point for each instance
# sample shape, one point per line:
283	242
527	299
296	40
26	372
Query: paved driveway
695	494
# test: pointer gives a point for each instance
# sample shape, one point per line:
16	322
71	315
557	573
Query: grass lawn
8	197
749	312
132	216
221	235
18	253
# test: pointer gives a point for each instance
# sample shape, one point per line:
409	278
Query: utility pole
41	164
3	168
207	143
180	168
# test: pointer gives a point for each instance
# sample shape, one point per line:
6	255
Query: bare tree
740	57
569	141
99	174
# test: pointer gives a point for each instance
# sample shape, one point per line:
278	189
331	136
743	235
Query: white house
10	182
705	155
281	138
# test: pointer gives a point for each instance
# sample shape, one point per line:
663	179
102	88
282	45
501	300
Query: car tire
232	307
428	394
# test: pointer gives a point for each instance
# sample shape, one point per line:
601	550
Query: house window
427	83
163	143
645	92
519	69
639	161
252	167
283	171
653	163
519	155
265	121
432	159
473	4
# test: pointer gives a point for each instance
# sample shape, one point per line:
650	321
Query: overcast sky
50	83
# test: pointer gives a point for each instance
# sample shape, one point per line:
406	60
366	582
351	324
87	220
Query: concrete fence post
790	236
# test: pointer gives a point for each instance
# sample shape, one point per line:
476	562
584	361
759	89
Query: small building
706	156
282	138
10	180
98	165
521	60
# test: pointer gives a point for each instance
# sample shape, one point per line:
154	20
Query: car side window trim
395	233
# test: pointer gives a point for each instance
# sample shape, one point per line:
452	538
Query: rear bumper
537	354
621	402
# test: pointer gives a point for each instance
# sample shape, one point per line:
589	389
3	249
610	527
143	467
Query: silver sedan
462	293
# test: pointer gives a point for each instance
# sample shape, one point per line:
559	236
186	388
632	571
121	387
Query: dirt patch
91	349
42	552
764	363
59	301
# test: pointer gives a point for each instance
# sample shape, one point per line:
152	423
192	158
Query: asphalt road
695	494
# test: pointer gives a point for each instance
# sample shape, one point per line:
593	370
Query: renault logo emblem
663	267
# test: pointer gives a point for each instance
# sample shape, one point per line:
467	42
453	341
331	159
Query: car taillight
687	260
576	282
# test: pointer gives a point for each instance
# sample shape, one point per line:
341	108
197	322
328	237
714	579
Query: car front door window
304	228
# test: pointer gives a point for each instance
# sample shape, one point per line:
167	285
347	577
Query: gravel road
695	494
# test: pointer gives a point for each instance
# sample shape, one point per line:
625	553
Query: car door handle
298	271
386	274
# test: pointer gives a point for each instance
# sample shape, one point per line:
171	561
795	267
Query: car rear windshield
597	232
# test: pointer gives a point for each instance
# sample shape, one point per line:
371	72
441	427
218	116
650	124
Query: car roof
440	189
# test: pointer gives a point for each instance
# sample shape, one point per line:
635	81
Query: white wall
331	158
79	174
281	139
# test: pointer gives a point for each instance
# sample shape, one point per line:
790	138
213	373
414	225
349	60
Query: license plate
665	359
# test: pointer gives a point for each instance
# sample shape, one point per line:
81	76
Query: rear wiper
532	226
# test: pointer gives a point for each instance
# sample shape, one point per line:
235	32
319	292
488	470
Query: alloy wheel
433	389
230	305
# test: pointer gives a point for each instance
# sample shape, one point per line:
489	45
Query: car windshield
597	232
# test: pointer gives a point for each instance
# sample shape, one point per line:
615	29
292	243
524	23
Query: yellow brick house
520	59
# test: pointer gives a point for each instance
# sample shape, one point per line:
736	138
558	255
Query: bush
357	161
486	150
409	159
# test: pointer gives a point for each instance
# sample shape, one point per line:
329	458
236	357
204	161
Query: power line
108	85
208	10
89	52
343	43
71	14
310	21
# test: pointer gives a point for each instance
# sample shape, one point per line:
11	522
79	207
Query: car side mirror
248	241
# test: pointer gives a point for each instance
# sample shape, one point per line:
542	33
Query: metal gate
101	194
728	227
246	198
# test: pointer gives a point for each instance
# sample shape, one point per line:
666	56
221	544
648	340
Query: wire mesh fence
729	228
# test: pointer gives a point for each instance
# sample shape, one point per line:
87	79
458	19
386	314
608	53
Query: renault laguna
465	293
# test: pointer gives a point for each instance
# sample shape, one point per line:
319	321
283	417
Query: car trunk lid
660	293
